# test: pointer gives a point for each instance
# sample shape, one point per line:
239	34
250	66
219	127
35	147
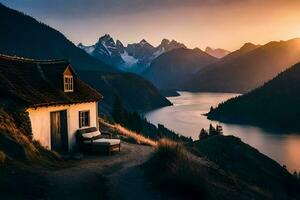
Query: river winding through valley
186	117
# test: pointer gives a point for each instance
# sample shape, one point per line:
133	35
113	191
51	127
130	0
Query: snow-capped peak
107	41
88	49
105	37
134	57
170	45
218	53
165	42
143	42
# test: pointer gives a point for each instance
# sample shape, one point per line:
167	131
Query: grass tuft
128	135
138	138
168	149
171	171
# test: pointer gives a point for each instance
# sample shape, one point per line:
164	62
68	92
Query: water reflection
185	117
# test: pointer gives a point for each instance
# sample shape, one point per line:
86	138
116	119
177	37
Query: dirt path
104	177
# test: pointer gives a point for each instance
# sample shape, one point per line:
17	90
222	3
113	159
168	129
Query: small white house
57	101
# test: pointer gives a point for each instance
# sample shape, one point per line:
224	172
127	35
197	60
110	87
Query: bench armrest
105	134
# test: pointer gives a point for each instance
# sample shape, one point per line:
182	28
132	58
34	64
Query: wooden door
64	130
59	131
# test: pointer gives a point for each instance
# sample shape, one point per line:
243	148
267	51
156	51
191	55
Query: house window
68	84
84	119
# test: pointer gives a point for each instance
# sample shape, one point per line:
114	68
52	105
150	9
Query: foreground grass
20	160
138	138
220	167
257	171
19	181
126	134
174	170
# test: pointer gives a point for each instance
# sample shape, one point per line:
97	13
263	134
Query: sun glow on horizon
199	24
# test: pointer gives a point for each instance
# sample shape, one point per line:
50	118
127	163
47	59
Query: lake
186	117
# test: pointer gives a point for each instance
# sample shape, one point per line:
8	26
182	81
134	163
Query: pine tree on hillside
212	130
219	130
203	134
117	110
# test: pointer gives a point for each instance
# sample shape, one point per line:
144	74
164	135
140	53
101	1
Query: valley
149	100
186	117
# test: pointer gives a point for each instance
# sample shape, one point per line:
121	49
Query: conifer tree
212	130
117	110
203	134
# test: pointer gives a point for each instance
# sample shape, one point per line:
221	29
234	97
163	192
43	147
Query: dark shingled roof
40	82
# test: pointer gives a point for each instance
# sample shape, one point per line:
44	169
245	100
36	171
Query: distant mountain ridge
24	36
134	57
274	105
173	69
247	68
218	53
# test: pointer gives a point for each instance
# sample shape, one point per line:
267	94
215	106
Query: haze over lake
186	117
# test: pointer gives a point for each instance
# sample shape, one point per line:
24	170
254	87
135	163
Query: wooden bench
91	140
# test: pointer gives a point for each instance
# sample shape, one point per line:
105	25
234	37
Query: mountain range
24	36
170	65
171	70
218	53
40	41
273	105
239	71
247	68
134	57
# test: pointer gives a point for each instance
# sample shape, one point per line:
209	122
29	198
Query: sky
196	23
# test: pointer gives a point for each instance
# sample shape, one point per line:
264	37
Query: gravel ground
104	177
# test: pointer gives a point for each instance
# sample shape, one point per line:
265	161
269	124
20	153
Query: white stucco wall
40	121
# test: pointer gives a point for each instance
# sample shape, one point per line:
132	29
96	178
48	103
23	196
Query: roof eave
61	103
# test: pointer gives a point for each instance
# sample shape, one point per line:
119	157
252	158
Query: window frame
68	86
83	119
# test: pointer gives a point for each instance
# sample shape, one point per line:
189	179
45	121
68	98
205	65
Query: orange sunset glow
227	24
150	99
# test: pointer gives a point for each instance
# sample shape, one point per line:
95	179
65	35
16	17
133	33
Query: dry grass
140	139
2	157
180	175
174	170
10	132
171	149
120	130
16	145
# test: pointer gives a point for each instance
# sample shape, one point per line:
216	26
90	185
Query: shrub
203	134
168	149
212	131
171	170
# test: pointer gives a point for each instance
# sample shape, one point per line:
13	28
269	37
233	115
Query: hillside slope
24	36
218	167
246	71
19	158
136	93
40	41
256	175
275	104
171	70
